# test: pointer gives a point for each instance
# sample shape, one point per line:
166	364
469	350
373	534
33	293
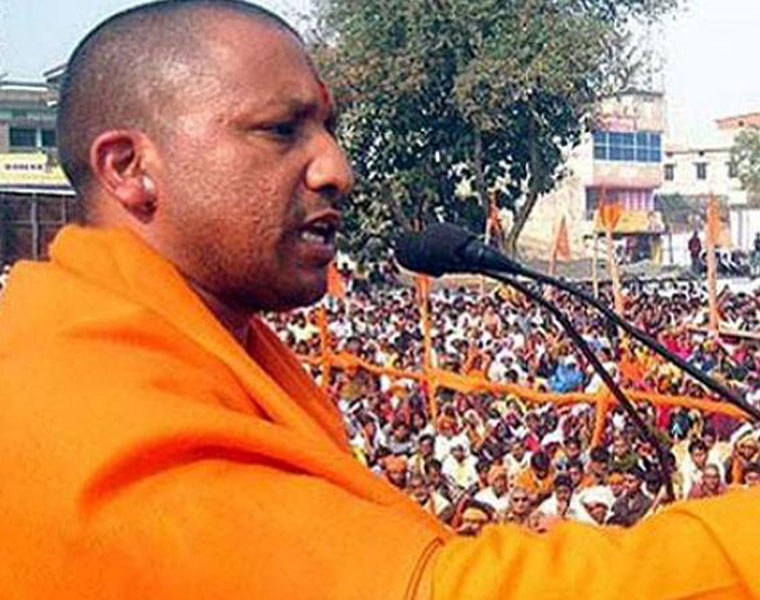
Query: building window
701	170
642	146
592	202
670	172
733	169
601	145
48	138
22	137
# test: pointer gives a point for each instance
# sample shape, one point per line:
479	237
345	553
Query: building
696	168
36	200
27	116
35	196
621	160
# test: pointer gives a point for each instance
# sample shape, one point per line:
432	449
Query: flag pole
423	284
712	223
611	215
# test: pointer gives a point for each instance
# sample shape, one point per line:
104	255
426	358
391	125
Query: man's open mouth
319	232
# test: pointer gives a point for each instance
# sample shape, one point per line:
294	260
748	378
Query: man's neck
236	321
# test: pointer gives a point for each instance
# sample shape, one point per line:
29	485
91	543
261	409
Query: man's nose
329	173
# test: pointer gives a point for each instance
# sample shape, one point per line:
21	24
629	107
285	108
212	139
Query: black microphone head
434	251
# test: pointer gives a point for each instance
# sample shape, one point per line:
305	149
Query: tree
447	102
745	157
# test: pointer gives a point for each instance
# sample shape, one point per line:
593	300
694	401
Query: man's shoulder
485	495
93	334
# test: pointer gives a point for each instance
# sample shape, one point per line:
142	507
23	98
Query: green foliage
745	156
446	101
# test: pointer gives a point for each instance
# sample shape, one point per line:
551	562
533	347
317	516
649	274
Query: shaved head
129	72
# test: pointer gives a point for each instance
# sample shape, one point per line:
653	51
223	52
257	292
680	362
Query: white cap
599	494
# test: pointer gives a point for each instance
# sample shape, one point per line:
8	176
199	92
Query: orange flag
335	286
562	246
610	213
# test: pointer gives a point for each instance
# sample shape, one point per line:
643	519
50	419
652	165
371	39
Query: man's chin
302	297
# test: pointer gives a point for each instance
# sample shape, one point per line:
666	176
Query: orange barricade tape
477	383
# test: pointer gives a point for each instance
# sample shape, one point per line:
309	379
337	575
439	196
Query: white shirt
499	503
443	445
550	508
515	467
462	473
437	504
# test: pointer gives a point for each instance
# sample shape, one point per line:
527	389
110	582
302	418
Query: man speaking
158	441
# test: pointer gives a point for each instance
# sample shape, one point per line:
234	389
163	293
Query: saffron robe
145	454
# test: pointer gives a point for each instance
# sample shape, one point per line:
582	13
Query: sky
711	53
710	50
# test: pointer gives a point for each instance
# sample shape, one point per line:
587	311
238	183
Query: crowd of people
490	457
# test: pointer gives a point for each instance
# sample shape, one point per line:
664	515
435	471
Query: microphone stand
635	333
602	372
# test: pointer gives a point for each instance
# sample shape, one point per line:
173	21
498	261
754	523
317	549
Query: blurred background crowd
472	458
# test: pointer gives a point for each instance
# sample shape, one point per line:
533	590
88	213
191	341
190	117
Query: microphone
445	248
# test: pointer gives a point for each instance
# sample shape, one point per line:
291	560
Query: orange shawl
147	455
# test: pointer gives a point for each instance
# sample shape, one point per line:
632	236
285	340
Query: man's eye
284	130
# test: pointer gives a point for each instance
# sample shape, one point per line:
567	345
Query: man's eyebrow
292	106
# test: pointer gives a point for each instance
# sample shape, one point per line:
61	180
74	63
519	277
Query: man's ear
116	158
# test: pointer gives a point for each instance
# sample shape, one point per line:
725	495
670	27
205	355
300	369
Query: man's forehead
260	61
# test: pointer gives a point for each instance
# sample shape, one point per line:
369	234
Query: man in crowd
474	519
746	451
394	468
561	503
575	471
459	467
520	506
695	250
537	479
633	504
598	467
622	457
597	502
496	494
709	485
518	458
448	438
616	483
693	466
429	499
159	441
399	441
437	481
